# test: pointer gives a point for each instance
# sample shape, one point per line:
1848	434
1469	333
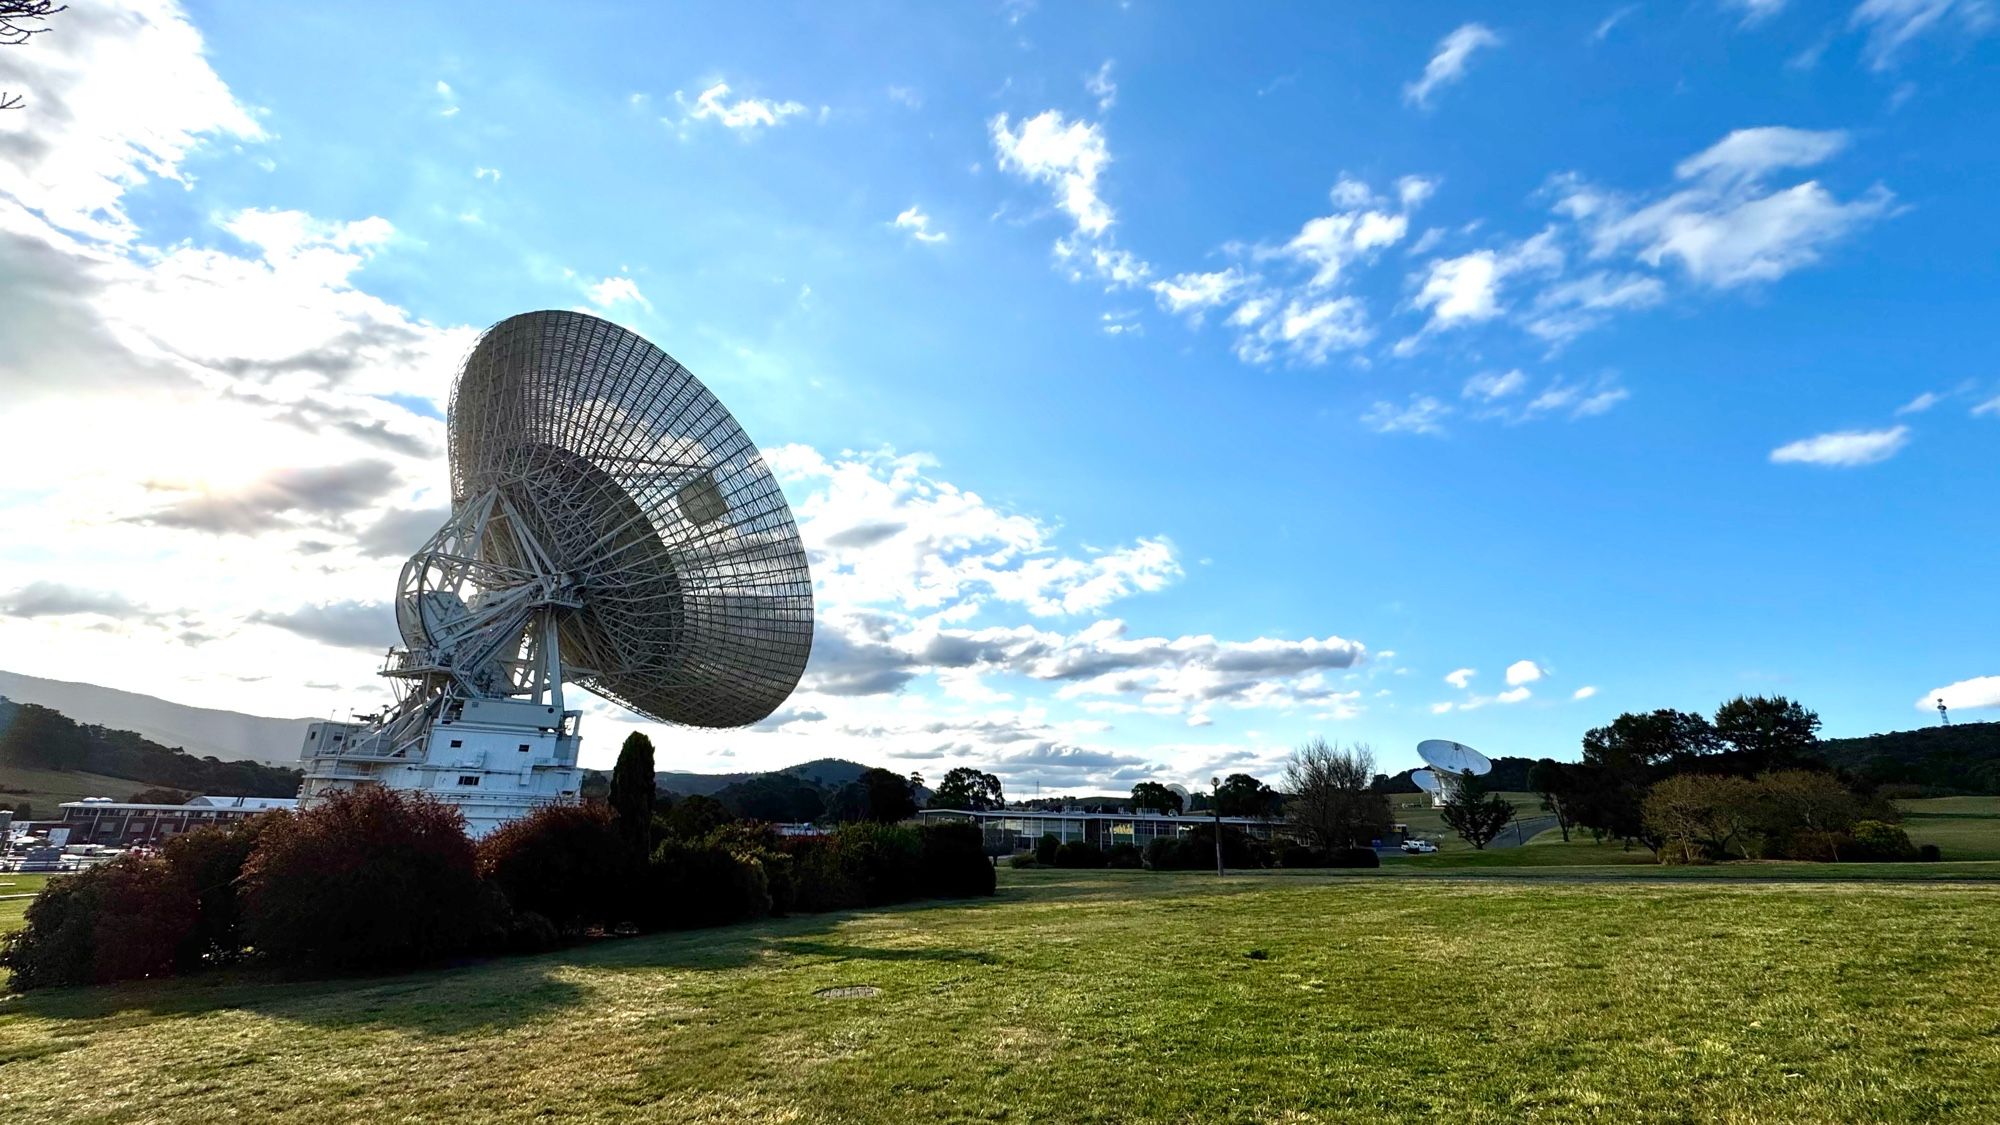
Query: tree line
37	737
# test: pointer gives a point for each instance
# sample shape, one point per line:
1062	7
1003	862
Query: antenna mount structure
611	528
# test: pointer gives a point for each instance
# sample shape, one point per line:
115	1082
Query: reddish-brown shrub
566	863
117	921
371	878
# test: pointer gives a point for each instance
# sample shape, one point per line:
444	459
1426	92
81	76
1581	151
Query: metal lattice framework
603	498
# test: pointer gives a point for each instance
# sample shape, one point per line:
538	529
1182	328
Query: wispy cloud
1844	449
1448	65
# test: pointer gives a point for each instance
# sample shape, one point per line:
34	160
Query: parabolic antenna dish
1426	781
1453	757
688	595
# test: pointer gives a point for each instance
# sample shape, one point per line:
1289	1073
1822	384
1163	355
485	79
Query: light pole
1215	805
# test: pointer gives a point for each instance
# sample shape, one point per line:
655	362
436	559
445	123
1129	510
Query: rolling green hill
1963	758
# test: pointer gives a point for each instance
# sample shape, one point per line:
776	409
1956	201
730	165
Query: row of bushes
378	879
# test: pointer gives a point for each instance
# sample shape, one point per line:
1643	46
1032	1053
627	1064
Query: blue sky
1202	379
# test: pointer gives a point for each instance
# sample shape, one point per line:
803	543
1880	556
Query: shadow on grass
489	994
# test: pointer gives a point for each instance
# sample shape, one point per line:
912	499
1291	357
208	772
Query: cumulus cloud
280	498
1844	449
1584	692
918	224
1460	678
744	114
1068	156
1194	294
1466	289
1977	692
1523	672
1448	64
618	290
1491	385
1100	86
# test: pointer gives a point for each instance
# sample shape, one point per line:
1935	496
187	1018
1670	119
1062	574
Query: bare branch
20	21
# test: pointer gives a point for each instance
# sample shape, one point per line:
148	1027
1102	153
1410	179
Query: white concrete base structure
496	759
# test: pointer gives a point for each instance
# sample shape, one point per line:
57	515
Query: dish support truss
479	720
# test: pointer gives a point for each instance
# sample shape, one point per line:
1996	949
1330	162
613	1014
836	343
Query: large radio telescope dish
689	597
1426	781
1450	757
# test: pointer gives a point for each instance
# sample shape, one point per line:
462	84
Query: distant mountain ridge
202	731
827	773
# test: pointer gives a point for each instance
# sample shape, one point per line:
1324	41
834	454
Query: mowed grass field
1113	996
46	789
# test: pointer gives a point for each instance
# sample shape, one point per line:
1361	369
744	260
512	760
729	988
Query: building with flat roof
1016	830
96	820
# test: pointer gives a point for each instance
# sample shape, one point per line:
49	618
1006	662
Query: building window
457	742
524	748
468	779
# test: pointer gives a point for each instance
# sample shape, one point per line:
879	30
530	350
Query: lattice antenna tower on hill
612	528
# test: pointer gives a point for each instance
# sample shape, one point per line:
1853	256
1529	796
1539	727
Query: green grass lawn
47	789
13	908
1961	827
1111	996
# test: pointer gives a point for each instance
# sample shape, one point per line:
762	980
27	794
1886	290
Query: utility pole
1215	806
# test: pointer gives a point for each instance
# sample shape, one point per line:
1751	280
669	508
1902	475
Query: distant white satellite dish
1186	797
1426	781
1447	756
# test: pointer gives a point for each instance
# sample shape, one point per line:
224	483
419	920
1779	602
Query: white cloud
1584	692
618	290
1492	385
1751	154
918	224
1304	330
1523	672
1844	449
1101	87
1461	678
1726	227
450	98
1193	294
1990	406
1466	289
1920	403
1331	241
745	113
1448	65
1069	156
483	173
1512	695
1892	25
1977	692
1756	11
906	96
1412	191
1567	309
1617	16
1422	414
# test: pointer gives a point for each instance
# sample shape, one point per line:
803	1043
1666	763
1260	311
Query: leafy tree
775	797
968	789
1697	817
1767	731
877	795
1636	743
1331	796
1476	815
632	792
1243	795
694	817
1155	797
1552	780
42	738
156	795
23	811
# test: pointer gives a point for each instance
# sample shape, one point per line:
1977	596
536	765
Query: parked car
1419	847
